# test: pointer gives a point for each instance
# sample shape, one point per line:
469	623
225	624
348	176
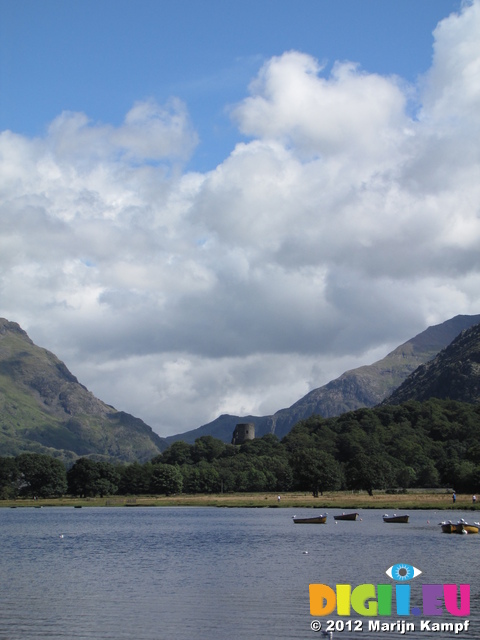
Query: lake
210	573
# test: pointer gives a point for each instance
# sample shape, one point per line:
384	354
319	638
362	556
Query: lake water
209	573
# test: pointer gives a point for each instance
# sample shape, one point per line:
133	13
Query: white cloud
453	84
149	133
349	112
344	226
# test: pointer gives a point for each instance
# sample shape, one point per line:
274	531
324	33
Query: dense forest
431	444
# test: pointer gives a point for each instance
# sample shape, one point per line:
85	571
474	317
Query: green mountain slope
454	374
365	386
44	409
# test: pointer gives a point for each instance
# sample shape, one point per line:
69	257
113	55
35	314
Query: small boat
346	516
316	520
448	527
395	518
460	527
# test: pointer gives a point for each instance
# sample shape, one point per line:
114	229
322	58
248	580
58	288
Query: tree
369	472
135	478
406	477
282	472
473	453
201	478
109	479
177	453
90	478
82	478
267	445
41	475
226	477
207	448
352	441
255	480
427	475
9	475
316	471
166	479
464	477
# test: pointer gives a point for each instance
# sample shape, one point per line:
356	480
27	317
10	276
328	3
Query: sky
215	207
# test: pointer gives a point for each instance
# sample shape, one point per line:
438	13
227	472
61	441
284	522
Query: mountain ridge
365	386
45	409
454	374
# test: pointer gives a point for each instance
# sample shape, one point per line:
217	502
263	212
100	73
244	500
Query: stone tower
243	432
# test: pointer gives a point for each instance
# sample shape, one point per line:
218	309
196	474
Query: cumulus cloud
149	132
348	112
347	222
453	84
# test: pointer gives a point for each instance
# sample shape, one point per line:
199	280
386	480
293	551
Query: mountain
365	386
454	374
44	409
223	427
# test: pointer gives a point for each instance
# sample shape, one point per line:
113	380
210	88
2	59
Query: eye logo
402	572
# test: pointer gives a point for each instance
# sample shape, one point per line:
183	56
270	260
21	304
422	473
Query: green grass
331	500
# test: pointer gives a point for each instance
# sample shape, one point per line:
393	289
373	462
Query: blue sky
100	57
215	207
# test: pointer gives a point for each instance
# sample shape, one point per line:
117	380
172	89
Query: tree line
431	444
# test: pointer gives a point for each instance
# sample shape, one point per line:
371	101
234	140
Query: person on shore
454	498
474	499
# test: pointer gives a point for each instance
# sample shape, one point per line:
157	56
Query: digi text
400	626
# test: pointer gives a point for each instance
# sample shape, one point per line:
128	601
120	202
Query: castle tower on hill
243	432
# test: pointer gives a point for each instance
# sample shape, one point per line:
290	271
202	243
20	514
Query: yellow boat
471	528
460	527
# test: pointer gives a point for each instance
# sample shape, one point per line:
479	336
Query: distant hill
44	409
222	428
454	374
365	386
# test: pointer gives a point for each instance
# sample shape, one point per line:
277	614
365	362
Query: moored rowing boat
316	520
401	519
346	516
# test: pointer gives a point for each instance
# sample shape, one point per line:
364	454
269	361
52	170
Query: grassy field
330	500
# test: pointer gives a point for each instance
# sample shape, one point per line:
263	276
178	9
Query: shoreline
330	500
